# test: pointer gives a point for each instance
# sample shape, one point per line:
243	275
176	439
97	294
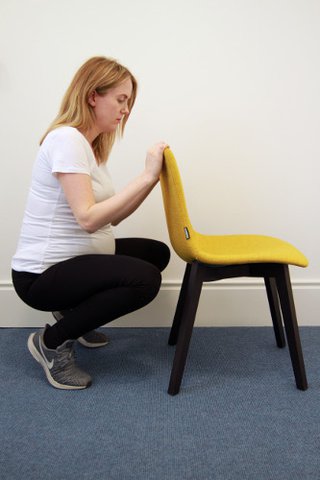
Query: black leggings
93	290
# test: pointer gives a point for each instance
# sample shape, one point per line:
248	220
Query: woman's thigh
151	251
66	284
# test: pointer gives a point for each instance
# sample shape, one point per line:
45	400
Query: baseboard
226	303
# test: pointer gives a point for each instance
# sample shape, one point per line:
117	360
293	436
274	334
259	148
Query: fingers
163	145
154	158
158	148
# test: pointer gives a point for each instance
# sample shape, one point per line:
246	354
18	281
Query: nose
125	110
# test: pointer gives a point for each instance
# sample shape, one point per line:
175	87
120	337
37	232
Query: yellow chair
215	257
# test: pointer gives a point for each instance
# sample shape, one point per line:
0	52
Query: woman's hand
154	160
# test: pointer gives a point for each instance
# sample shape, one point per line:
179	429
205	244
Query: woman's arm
92	215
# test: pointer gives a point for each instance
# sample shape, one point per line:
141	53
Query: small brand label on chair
186	232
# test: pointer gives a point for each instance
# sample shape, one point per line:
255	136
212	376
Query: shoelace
67	356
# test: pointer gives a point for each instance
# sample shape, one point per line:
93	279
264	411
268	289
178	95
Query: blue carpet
238	415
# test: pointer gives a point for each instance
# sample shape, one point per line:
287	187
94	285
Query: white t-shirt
50	232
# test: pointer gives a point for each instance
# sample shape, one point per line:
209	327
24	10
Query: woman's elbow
88	228
91	226
87	225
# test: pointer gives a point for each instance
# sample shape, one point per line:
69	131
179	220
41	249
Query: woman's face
111	107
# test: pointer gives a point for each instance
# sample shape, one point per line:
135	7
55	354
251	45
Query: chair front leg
174	332
291	326
273	300
187	317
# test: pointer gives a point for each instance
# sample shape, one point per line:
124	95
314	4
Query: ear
92	98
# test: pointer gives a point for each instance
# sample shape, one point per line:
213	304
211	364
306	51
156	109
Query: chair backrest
181	233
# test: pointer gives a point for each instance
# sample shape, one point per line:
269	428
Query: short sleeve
67	151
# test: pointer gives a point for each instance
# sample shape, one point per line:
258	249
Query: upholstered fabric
216	249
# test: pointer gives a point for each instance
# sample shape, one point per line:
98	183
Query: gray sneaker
93	339
59	364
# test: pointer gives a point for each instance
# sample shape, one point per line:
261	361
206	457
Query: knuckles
157	149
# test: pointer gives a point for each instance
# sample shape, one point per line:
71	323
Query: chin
110	129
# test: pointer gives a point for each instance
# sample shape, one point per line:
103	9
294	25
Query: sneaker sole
36	355
84	343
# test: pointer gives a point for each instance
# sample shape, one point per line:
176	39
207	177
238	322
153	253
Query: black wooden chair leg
273	300
291	326
187	315
174	332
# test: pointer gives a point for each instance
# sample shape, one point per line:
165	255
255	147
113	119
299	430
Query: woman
67	260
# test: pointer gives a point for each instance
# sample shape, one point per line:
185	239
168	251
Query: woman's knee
150	250
152	281
164	256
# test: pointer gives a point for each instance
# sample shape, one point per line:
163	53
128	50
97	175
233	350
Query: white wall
232	85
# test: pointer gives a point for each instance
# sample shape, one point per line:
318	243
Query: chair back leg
273	300
291	326
187	310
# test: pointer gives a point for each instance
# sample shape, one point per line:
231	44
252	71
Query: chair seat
242	249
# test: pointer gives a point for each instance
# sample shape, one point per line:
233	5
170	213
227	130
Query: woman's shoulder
66	138
64	147
64	132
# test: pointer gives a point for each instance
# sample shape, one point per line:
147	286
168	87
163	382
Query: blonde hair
96	74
